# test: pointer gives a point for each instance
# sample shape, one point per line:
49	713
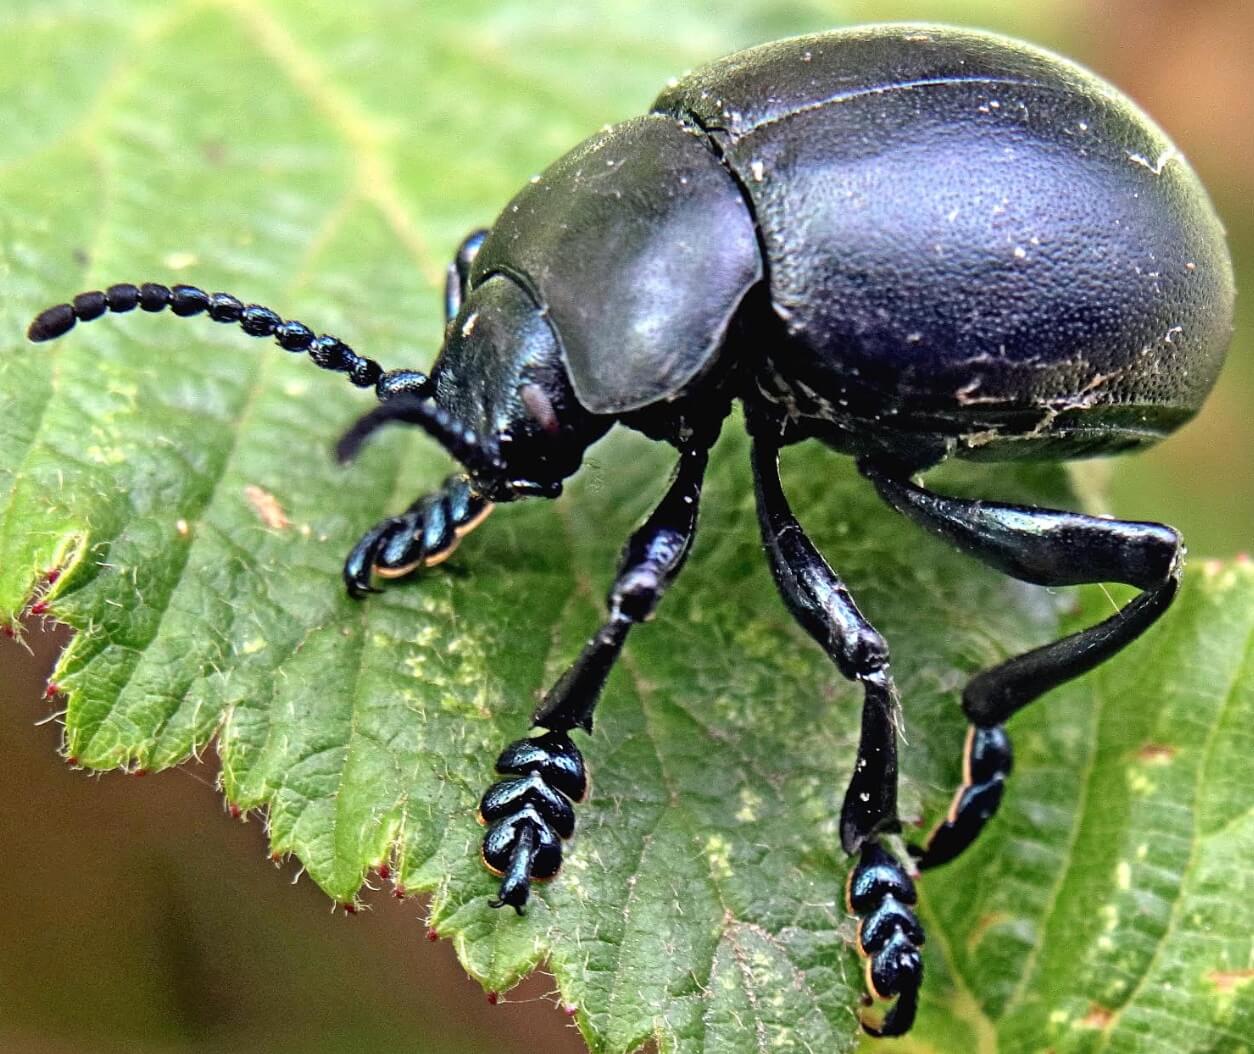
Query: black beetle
909	242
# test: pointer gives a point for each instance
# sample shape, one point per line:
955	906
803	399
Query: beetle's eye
539	406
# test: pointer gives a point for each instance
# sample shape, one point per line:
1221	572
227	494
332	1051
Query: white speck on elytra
1163	160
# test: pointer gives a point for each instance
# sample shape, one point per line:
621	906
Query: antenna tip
50	324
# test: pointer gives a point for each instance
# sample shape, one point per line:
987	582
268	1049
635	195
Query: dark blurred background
253	960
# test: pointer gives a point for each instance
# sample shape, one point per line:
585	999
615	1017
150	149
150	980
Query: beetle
908	242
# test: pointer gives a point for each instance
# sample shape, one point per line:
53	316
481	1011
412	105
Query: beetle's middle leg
529	812
1045	547
880	891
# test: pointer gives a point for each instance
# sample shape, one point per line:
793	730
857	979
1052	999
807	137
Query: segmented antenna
330	353
405	394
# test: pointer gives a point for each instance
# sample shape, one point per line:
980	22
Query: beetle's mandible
908	242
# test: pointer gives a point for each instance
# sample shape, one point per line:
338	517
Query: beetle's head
499	398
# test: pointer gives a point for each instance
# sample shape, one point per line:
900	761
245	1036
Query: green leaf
326	161
1111	906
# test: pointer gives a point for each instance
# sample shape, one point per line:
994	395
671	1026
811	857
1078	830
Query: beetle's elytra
908	242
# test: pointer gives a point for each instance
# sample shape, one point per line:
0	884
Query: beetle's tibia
890	937
330	353
986	764
529	813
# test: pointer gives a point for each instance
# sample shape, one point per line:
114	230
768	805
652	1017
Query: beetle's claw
530	813
360	562
890	936
899	1019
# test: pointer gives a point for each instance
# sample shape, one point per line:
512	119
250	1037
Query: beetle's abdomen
972	237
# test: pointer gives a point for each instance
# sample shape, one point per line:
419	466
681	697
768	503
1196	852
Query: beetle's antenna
463	443
330	353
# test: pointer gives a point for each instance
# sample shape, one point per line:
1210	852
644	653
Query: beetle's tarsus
890	936
987	762
530	813
423	535
899	1019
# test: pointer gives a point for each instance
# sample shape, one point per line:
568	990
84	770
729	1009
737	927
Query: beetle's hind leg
1045	547
423	535
880	891
529	812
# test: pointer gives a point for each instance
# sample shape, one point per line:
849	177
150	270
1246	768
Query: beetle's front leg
423	535
529	813
880	892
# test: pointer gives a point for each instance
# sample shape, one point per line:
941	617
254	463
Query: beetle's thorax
639	247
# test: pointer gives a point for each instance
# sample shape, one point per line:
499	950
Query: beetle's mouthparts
471	449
